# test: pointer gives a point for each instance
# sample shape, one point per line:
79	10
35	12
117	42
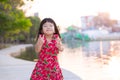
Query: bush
29	54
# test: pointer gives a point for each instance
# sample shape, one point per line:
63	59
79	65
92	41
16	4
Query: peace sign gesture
40	40
39	43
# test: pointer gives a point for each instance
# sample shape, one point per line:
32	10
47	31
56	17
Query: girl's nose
48	27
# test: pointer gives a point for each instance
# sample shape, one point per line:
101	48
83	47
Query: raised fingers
41	39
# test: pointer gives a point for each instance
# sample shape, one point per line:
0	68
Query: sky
68	12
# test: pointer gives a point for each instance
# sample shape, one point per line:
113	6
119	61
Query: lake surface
98	60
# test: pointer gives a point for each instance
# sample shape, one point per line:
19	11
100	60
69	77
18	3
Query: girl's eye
44	26
51	26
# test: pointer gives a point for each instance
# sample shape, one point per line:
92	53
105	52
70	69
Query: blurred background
90	31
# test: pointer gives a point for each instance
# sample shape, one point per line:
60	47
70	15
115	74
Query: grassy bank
2	46
28	54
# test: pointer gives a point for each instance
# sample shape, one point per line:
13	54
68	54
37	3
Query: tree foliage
12	20
35	27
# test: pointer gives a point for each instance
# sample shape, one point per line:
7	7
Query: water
98	60
93	48
96	48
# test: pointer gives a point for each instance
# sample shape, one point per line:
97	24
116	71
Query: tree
34	28
12	20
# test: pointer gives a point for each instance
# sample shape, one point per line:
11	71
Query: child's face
48	28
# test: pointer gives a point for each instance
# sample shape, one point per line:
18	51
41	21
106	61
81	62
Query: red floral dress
47	67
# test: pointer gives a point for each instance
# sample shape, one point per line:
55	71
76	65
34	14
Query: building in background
87	22
36	14
118	23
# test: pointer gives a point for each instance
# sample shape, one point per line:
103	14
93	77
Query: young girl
48	46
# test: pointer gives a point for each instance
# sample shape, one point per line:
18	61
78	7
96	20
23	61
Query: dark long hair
43	22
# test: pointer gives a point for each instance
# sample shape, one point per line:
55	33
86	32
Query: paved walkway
17	69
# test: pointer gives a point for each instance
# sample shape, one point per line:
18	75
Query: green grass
29	54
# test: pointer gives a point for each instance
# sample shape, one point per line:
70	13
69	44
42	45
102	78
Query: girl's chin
49	34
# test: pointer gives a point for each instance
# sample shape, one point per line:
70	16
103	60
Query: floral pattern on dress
47	67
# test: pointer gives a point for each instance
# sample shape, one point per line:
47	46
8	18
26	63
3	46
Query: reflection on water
96	48
99	60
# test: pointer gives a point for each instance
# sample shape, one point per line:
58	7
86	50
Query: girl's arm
59	44
61	47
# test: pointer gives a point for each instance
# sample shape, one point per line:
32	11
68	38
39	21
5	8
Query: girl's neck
48	36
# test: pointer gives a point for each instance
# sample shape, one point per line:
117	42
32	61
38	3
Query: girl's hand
39	43
59	44
40	40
